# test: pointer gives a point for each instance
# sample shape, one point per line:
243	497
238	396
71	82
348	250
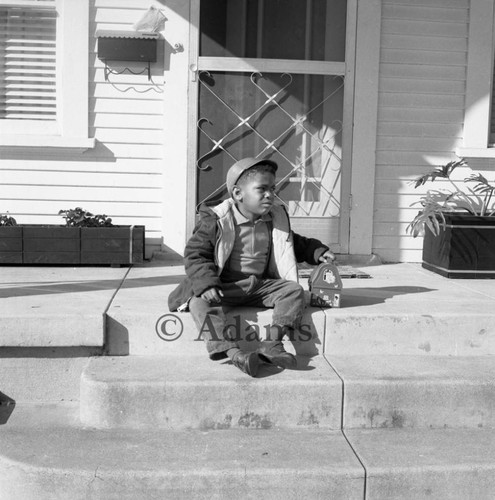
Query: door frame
346	69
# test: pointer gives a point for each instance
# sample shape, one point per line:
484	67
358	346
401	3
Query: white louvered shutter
28	61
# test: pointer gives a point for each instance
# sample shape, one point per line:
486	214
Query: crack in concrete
95	476
342	430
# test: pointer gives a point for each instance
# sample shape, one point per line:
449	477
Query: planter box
11	245
119	245
465	249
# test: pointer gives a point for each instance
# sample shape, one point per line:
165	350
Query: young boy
243	253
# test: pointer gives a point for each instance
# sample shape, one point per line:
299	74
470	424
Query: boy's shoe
273	352
247	362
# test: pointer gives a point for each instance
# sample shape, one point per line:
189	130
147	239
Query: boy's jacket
212	241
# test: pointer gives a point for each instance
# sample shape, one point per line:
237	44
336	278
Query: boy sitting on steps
243	253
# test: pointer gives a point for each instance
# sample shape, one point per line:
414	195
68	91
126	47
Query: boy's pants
285	297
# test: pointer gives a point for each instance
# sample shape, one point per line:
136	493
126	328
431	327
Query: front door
272	82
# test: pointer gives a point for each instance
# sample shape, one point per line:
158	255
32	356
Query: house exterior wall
421	98
123	175
137	171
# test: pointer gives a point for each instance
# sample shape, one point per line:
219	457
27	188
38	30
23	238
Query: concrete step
146	333
55	306
417	391
193	392
172	392
447	464
139	323
46	455
402	309
43	374
56	459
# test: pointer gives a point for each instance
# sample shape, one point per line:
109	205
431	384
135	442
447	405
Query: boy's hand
327	256
212	295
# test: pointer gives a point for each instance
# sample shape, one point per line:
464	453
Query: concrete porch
394	396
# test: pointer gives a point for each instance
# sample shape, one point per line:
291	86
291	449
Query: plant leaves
79	217
443	172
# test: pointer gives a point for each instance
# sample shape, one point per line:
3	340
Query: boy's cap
236	170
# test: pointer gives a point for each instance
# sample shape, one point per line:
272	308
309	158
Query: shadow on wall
7	406
370	296
100	153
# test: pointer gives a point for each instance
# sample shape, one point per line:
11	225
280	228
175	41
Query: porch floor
401	309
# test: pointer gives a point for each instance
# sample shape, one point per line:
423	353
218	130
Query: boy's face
255	195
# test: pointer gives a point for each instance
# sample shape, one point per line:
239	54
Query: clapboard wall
420	110
135	174
122	176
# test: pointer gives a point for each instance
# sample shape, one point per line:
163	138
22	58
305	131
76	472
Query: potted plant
85	239
458	224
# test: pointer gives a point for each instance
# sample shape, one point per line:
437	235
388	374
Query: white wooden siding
420	110
123	176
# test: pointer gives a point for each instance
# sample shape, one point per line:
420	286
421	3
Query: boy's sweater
209	248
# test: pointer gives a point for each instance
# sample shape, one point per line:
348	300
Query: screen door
271	82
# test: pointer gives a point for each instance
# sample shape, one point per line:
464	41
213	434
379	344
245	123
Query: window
28	70
478	131
44	73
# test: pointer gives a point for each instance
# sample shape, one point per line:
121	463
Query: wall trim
363	163
479	75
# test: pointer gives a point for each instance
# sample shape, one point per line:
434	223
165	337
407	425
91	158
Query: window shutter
28	60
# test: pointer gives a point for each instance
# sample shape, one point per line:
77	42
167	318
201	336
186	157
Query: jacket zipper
217	244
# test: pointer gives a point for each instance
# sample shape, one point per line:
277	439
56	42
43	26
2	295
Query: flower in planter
79	217
461	198
6	220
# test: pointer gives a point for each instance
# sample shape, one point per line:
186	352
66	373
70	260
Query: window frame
72	53
479	82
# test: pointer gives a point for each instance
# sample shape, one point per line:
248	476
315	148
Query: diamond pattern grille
295	120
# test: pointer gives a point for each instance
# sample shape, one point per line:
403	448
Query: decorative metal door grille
296	120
